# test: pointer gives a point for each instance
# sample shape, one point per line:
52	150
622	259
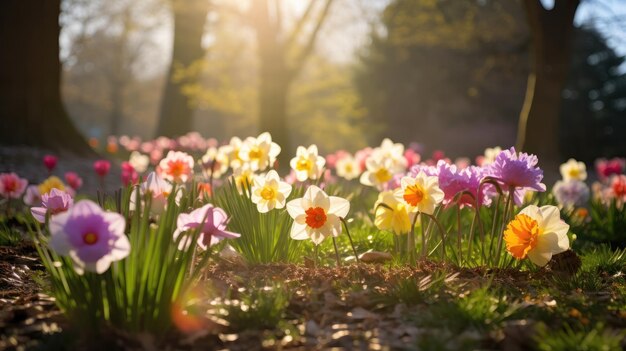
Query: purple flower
92	237
453	181
54	202
212	222
571	193
517	171
423	167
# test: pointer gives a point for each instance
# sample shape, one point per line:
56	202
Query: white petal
294	208
533	212
339	206
298	231
542	253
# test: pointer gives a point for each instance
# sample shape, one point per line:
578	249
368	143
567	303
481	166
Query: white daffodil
378	172
537	233
393	216
244	177
307	164
215	162
388	150
158	189
317	215
269	192
231	150
573	170
490	155
259	152
421	193
139	161
348	167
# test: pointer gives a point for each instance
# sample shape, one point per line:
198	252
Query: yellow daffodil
573	170
307	164
260	152
393	216
537	233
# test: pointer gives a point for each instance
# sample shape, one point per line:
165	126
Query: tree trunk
176	111
551	32
31	110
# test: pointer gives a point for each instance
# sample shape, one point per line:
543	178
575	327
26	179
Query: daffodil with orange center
317	215
421	193
177	167
537	233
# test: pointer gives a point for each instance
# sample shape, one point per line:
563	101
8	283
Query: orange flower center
90	238
413	194
177	168
574	173
268	193
382	175
521	235
315	217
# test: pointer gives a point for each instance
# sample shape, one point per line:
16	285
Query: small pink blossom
50	161
54	202
92	237
177	167
212	222
73	180
412	157
606	168
11	185
129	175
102	167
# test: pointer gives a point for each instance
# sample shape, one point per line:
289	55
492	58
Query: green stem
509	201
345	225
458	227
443	234
336	252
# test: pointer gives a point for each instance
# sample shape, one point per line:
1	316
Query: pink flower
50	161
332	159
412	157
454	181
54	202
361	156
32	196
212	222
102	167
91	237
129	175
73	180
618	188
177	166
11	185
606	168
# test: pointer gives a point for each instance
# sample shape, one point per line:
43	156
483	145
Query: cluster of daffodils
384	162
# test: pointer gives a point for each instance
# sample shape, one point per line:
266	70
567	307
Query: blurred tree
594	100
189	22
111	64
434	72
31	111
551	31
282	54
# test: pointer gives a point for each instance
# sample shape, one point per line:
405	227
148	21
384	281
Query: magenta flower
517	171
54	202
129	174
212	222
412	157
606	168
50	161
11	185
73	180
92	237
102	167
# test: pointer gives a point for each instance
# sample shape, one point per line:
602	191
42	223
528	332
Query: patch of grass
567	339
585	280
603	259
481	309
412	290
257	308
